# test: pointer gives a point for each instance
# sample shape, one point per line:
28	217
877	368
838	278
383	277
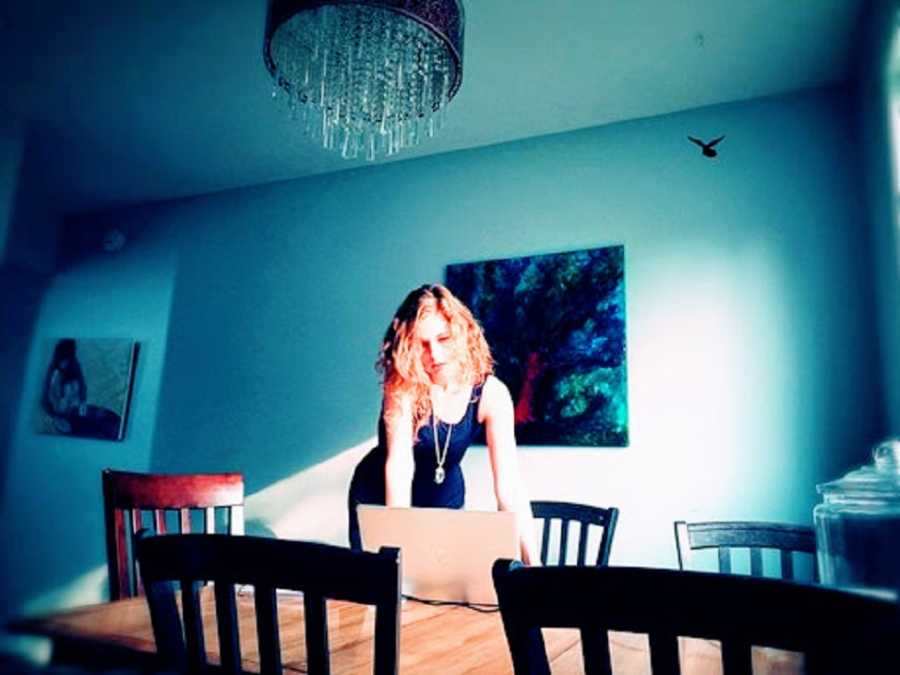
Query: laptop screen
447	554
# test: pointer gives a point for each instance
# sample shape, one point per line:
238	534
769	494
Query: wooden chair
756	536
127	495
320	571
566	513
837	631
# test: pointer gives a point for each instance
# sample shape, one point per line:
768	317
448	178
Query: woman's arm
509	488
398	465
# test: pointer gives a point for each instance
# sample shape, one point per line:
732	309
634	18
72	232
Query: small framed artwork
556	327
86	387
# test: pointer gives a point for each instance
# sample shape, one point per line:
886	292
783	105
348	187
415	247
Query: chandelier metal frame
444	18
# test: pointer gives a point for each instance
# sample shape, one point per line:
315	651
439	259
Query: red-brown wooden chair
126	496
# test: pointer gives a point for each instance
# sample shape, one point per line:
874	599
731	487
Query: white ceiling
129	101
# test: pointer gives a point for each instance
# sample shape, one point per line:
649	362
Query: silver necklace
440	455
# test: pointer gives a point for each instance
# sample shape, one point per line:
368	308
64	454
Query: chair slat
267	635
682	544
756	562
117	549
787	565
209	520
545	541
167	630
606	538
563	541
526	645
316	633
193	625
595	651
664	653
737	657
137	524
159	521
725	560
387	638
236	520
229	638
582	544
184	521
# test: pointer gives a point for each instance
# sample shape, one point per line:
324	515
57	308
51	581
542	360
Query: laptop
447	554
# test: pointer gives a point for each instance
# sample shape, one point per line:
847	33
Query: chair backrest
320	571
837	631
567	512
126	496
755	536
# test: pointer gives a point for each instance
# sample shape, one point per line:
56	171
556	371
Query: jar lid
879	480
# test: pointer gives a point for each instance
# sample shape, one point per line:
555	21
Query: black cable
484	608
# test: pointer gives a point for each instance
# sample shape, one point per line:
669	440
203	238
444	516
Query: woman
438	391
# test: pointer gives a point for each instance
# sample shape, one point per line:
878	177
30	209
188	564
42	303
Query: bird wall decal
707	148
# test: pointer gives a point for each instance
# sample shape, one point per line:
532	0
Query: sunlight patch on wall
310	505
703	349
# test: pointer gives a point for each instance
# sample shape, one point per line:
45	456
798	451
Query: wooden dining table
433	639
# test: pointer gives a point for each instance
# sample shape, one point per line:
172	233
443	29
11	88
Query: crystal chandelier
366	77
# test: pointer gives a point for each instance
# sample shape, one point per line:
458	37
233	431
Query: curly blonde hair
400	358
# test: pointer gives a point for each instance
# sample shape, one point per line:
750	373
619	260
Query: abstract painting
556	327
86	387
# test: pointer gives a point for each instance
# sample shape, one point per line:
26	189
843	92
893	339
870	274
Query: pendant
439	475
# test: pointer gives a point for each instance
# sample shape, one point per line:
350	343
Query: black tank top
425	491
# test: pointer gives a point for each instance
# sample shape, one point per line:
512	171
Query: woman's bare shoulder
495	397
493	386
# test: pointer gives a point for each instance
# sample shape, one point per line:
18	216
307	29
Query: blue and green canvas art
556	327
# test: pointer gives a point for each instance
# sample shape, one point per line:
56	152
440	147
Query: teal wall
880	86
753	362
11	286
11	146
52	504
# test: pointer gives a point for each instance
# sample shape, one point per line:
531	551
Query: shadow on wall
310	505
21	293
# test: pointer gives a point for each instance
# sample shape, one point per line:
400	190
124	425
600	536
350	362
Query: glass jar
858	524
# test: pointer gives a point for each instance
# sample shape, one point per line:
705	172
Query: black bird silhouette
708	150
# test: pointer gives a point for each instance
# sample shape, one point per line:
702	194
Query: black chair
566	513
837	632
319	570
756	536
